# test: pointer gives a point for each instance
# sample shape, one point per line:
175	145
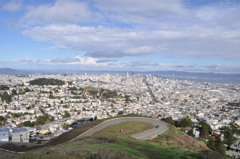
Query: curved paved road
5	153
145	135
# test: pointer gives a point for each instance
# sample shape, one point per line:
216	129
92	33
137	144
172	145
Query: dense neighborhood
40	107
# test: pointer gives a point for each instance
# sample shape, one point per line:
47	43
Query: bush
170	120
28	124
186	122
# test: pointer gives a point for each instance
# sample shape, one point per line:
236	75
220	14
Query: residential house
20	135
4	134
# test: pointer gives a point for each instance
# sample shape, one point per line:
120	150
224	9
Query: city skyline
180	35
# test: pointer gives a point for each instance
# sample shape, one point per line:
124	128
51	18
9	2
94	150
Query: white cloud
27	59
140	50
86	61
78	60
137	28
144	11
62	11
143	7
99	41
190	42
13	5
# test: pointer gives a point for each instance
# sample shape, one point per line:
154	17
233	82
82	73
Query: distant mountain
10	70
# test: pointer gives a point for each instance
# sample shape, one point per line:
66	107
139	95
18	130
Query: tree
177	123
27	90
14	92
190	132
205	129
16	115
2	120
66	126
66	114
28	124
41	119
186	122
127	98
170	120
120	113
228	135
211	143
219	146
51	118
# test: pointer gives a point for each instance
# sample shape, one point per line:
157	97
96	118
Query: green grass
128	128
129	147
114	148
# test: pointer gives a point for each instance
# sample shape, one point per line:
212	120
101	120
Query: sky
126	35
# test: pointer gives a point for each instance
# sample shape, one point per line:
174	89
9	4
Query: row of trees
204	128
185	122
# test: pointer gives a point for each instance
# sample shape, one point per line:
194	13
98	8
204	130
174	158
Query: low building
4	134
44	131
20	135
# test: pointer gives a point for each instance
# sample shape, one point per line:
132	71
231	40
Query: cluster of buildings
14	135
137	94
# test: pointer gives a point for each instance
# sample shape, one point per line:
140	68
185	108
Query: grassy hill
110	143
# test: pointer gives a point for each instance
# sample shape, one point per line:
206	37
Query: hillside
10	70
175	138
109	143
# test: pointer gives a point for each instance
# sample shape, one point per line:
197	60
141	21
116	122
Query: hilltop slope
172	144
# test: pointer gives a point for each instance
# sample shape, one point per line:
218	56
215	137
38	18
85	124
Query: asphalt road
145	135
4	153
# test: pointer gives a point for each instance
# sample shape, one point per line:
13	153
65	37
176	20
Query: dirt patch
125	128
186	142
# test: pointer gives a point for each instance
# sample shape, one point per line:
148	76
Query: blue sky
140	35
